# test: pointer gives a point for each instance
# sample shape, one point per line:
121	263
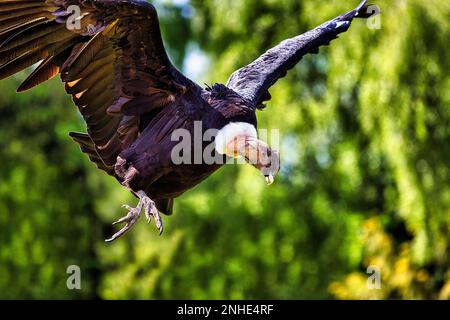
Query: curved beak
270	179
258	154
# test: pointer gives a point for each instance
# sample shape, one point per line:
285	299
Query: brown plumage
112	60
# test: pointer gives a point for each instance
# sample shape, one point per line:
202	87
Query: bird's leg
149	207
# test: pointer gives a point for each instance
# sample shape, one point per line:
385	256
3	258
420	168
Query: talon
159	224
158	221
124	230
148	214
149	207
161	230
130	219
151	211
120	233
115	223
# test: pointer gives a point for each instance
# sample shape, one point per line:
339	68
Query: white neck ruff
231	131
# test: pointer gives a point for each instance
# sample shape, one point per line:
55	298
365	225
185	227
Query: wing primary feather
20	13
6	32
29	34
49	68
100	62
19	5
93	79
29	58
254	80
85	55
108	59
12	22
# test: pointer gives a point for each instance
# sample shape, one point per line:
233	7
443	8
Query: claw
159	224
130	219
120	233
148	214
121	220
151	211
134	214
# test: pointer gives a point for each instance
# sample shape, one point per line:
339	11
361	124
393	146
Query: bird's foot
149	207
151	211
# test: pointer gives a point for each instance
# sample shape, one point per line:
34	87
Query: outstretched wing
109	53
253	81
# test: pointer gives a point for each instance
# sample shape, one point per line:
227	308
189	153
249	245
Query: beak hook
269	179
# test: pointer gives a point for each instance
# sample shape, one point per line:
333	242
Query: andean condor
111	57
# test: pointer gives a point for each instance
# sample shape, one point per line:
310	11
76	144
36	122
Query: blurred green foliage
365	180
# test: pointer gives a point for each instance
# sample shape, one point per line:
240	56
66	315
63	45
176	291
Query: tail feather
165	206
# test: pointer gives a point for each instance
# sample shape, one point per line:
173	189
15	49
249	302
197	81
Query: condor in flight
112	60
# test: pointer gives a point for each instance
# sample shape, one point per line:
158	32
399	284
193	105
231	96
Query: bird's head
239	139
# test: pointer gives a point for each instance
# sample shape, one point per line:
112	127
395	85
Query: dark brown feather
254	80
87	147
115	61
14	21
165	206
30	33
45	71
20	13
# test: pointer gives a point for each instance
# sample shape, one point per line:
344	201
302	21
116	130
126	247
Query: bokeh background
365	129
